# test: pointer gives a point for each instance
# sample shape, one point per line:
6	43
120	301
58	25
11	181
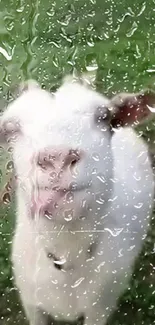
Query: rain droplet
94	171
138	206
129	13
78	282
134	217
69	197
120	253
101	178
142	9
150	70
96	157
131	248
132	30
136	177
101	199
68	215
55	61
1	149
48	215
92	67
138	55
84	202
51	12
10	149
99	267
8	186
113	199
91	63
8	56
9	166
60	262
152	109
114	232
6	198
65	21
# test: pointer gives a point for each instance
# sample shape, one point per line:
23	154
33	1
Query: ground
45	40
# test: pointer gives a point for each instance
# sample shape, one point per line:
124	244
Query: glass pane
112	41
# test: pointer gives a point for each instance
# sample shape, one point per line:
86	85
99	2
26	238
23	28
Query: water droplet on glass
136	177
100	199
152	109
8	54
150	70
101	178
99	267
9	166
138	206
65	20
55	61
6	198
113	199
60	262
114	232
131	248
10	149
129	13
92	67
1	150
69	197
142	9
8	186
134	217
96	157
68	215
120	253
48	215
132	30
78	282
94	171
51	12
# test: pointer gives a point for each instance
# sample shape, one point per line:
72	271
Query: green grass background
47	39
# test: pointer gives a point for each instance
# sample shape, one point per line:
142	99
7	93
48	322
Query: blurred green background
47	39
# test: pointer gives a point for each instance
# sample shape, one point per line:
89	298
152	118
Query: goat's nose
70	158
58	159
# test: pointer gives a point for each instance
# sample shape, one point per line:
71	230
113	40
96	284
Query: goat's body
90	285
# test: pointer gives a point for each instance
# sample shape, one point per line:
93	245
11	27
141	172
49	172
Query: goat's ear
10	127
132	109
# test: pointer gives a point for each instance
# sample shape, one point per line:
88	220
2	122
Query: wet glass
45	40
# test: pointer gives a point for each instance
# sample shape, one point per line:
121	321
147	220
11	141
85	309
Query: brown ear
132	109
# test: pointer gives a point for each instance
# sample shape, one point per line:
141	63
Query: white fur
117	207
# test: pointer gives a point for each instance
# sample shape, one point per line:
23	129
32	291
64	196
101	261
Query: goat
84	197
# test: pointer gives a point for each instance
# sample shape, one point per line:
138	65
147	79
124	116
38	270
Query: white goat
84	198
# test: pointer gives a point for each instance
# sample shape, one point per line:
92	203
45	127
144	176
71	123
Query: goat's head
62	145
